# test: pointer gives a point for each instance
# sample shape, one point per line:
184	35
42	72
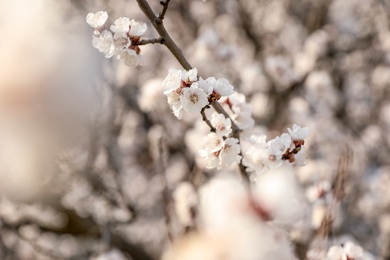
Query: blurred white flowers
230	226
186	200
347	251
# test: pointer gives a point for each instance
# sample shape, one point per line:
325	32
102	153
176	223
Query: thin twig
206	120
149	41
171	45
164	10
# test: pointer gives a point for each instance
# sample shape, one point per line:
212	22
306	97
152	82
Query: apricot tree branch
149	41
159	26
206	120
164	10
175	50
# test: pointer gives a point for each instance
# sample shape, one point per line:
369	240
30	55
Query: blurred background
90	152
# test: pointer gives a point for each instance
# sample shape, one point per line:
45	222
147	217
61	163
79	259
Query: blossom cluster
219	153
239	110
120	40
188	92
262	155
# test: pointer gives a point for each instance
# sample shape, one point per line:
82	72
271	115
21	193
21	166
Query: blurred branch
317	15
338	191
162	166
338	186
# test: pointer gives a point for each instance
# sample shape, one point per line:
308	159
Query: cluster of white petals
117	41
223	126
298	133
239	110
219	153
186	91
97	20
262	156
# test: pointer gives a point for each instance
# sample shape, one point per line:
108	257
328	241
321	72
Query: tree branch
171	45
165	8
149	41
206	120
175	50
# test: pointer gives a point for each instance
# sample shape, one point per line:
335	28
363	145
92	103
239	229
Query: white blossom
213	142
97	20
190	76
193	99
222	125
121	25
279	145
298	133
178	111
129	57
223	87
237	98
243	115
204	84
211	81
121	42
104	43
137	28
172	81
230	152
256	158
174	102
210	159
300	157
240	111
